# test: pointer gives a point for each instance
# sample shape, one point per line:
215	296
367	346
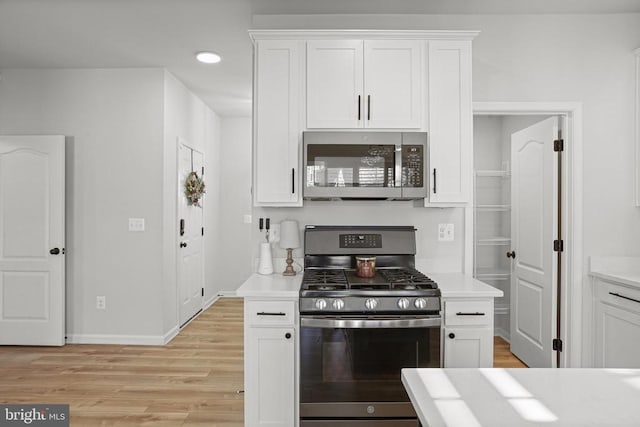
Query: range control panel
348	241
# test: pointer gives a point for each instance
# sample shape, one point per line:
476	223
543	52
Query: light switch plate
136	224
445	233
247	219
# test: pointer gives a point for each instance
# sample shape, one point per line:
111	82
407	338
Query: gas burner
324	280
369	286
325	287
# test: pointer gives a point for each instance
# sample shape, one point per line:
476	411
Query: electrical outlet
247	219
136	224
445	233
101	302
274	233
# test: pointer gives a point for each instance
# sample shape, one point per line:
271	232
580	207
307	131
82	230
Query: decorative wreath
194	188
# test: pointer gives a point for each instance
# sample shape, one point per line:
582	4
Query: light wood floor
193	381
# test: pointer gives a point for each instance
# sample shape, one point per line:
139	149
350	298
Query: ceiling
167	33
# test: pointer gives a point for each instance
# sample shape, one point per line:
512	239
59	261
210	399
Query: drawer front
270	312
618	295
468	313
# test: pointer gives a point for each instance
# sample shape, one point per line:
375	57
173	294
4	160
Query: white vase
265	266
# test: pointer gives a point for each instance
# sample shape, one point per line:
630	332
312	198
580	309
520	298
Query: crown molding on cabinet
361	34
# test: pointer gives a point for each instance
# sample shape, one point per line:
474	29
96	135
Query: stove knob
338	304
420	303
371	303
321	304
403	303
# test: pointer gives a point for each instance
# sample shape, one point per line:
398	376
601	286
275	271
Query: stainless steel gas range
359	328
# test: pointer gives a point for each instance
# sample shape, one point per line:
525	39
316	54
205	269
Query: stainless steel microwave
365	165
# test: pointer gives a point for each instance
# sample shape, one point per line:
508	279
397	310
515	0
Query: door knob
54	251
511	254
183	245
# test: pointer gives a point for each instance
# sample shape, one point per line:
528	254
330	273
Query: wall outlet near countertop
136	224
101	302
445	232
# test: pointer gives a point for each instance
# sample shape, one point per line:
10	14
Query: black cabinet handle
359	107
293	180
55	251
434	181
623	297
183	245
287	335
368	107
511	254
266	313
477	313
452	335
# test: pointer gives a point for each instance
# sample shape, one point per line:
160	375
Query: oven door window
350	166
362	365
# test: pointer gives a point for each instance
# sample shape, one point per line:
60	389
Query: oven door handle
337	323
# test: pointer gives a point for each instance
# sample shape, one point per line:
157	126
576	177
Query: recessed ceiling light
208	57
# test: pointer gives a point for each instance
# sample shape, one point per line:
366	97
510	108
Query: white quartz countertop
272	286
463	285
524	397
278	286
624	270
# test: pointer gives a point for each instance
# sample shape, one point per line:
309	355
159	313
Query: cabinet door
278	104
468	347
270	368
450	121
617	337
335	84
392	83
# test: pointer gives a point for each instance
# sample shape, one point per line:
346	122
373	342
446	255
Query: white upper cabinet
450	121
278	116
364	84
334	83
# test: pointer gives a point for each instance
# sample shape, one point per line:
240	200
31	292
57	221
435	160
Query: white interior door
32	240
190	244
533	227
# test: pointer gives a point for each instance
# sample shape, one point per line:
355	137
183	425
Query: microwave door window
350	166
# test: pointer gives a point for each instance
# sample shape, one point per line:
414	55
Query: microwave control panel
412	165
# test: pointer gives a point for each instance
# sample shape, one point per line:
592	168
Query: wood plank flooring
502	356
192	381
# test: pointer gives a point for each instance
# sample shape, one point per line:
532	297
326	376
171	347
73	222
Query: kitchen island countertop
278	286
524	397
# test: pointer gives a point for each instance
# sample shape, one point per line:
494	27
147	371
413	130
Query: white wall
235	202
121	127
113	123
188	119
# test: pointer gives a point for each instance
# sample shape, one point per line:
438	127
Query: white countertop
524	397
454	285
624	270
271	286
278	286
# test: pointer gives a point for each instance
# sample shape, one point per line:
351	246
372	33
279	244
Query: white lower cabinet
270	363
617	322
468	333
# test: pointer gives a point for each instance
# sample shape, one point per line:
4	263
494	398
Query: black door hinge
202	231
557	344
558	246
202	291
558	145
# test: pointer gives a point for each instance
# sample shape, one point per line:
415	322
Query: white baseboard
502	333
171	334
120	339
228	294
